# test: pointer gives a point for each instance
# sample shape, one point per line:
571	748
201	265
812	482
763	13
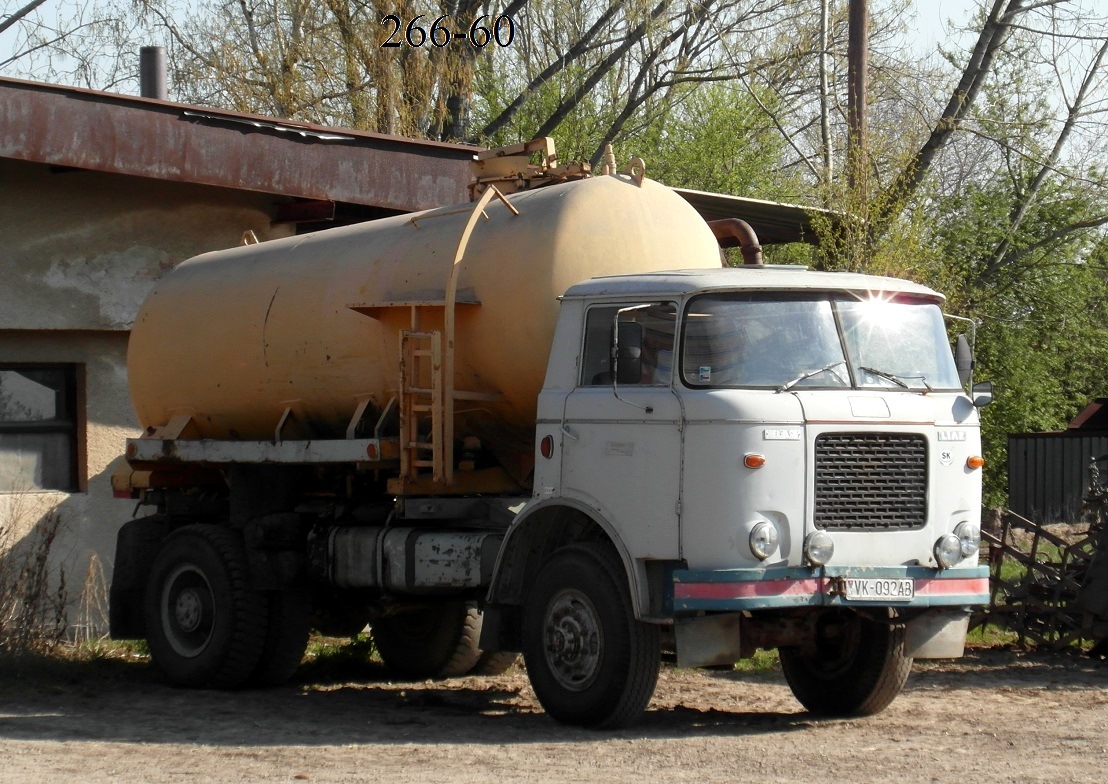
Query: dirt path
992	717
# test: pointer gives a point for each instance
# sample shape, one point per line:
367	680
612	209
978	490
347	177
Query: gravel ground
992	716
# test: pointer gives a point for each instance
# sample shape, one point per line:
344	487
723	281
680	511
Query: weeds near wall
33	598
92	617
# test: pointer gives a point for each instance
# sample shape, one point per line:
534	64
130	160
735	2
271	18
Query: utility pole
857	55
824	93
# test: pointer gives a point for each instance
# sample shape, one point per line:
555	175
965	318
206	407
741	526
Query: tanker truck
553	423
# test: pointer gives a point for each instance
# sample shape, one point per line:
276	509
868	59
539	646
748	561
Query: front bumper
777	588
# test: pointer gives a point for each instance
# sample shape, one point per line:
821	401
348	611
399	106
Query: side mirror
982	394
627	352
963	360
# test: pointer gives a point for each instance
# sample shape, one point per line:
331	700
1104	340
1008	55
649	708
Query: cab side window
646	333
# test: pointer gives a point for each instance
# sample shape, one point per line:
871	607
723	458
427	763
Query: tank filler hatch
515	168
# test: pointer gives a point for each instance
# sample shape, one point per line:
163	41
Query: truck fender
137	543
544	526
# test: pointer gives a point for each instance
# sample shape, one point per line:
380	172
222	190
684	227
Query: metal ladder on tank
421	394
418	348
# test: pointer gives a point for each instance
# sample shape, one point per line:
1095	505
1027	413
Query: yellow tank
235	338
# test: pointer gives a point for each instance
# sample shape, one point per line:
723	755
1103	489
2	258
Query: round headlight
948	551
763	540
819	547
969	535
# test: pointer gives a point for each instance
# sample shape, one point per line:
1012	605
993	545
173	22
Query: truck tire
590	662
857	668
494	663
286	637
437	641
204	623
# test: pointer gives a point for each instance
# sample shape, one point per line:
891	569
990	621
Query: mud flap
937	634
708	641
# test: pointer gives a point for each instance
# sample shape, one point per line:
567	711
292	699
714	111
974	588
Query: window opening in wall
38	427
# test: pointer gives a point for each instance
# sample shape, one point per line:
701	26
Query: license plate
878	590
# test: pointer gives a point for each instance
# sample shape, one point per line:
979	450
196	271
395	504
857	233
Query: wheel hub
574	640
188	610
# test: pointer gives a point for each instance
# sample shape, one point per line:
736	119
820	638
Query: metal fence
1048	473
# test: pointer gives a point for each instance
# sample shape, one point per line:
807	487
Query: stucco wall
79	252
81	249
90	519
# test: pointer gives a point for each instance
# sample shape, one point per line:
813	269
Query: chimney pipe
152	73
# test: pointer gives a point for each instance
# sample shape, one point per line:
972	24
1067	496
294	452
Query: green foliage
1043	310
719	140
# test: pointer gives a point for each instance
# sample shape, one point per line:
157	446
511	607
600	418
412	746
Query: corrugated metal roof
1093	417
107	132
772	222
123	134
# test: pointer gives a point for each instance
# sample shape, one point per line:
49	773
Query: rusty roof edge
155	104
87	130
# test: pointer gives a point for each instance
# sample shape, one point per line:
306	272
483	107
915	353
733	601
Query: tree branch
1028	197
17	15
993	34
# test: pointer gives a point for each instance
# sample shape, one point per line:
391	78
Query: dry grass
33	598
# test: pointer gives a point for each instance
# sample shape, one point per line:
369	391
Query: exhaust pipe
732	232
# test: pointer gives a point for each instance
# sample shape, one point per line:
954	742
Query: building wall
79	253
81	250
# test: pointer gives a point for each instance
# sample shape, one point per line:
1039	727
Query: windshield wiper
806	375
897	379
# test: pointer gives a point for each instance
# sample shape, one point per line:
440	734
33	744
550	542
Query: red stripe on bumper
947	587
751	589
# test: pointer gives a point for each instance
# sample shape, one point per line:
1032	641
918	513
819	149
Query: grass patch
991	636
763	661
338	659
94	664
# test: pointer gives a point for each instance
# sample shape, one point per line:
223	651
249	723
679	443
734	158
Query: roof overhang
774	223
106	132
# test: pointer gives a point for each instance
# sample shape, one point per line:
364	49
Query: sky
932	18
930	25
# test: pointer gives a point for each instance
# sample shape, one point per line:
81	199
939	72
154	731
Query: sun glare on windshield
877	308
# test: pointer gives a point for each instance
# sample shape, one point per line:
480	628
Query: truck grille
871	481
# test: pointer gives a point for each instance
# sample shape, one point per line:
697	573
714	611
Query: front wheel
856	666
590	662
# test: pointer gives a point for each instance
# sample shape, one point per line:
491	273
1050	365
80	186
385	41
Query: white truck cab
781	457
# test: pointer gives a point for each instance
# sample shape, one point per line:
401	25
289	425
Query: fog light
948	551
969	536
763	540
819	547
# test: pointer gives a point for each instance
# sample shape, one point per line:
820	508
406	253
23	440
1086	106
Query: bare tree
80	43
18	14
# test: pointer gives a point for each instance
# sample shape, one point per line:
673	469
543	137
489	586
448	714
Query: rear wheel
205	625
436	641
856	667
590	662
494	662
286	637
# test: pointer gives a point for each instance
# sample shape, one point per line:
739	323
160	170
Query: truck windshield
781	341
